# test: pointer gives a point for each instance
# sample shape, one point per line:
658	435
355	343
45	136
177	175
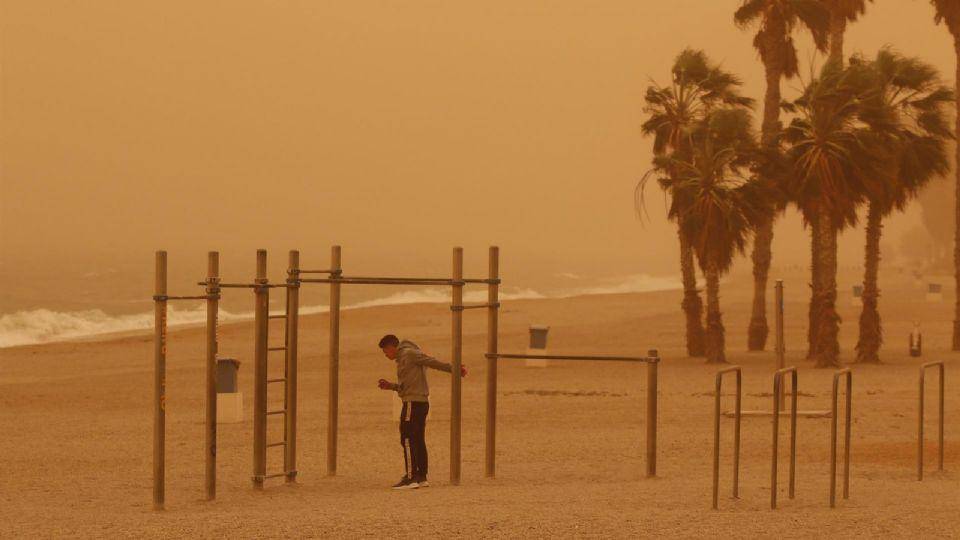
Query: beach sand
77	423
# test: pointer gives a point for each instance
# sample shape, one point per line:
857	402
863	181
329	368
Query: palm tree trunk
814	310
871	334
956	234
691	304
763	237
838	25
828	321
715	338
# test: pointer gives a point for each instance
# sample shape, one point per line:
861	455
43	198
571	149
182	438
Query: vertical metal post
653	362
455	356
777	389
736	435
333	392
159	377
293	318
210	440
493	299
923	370
261	321
777	395
781	346
833	435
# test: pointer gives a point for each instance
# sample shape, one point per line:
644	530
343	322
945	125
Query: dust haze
397	129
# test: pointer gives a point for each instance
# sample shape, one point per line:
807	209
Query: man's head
389	344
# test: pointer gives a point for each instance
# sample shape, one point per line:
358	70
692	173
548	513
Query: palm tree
841	13
723	206
697	86
776	21
948	13
834	159
905	105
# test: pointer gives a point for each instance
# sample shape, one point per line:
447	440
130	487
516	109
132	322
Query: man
411	386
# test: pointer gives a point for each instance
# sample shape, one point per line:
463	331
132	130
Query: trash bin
934	292
538	345
227	369
229	399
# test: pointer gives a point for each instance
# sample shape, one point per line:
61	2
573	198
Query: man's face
390	351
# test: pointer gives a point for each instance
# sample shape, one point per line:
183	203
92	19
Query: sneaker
423	483
406	483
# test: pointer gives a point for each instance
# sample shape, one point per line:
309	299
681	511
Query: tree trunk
763	239
956	234
715	338
838	25
691	304
871	334
814	310
828	321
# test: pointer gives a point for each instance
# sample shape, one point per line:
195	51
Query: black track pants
413	427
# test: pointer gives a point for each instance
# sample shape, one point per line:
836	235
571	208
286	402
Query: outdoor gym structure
213	288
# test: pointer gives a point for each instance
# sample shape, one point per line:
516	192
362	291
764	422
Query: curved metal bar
777	391
846	373
923	372
736	435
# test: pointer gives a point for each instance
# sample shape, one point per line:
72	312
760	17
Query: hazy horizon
395	130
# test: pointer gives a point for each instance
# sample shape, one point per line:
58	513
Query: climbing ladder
263	383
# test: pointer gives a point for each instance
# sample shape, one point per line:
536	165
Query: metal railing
736	434
846	374
923	372
777	393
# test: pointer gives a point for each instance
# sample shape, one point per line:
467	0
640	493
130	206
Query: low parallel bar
353	281
276	348
278	411
569	357
281	379
197	297
281	443
475	306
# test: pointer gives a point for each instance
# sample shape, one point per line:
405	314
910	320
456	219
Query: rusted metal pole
261	321
923	371
652	366
293	318
210	442
333	392
780	345
493	299
159	377
456	361
833	435
716	435
777	394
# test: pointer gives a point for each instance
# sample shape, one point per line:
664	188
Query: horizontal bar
318	271
266	476
281	443
252	285
474	306
567	357
278	411
284	316
281	379
164	297
379	281
276	348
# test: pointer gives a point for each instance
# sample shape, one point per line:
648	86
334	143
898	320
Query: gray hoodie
412	364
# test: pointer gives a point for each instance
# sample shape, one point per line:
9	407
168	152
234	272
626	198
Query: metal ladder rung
276	348
281	379
284	316
278	411
281	443
275	475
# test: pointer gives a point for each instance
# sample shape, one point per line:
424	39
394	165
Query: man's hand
385	384
463	370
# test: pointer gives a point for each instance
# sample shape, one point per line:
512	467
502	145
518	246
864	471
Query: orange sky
396	128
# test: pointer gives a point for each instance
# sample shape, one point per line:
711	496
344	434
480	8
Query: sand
77	424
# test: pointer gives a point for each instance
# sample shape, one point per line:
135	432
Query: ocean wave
44	326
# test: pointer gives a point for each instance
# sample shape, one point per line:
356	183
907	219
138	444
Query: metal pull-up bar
652	360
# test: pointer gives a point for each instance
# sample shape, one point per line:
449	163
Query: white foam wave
44	325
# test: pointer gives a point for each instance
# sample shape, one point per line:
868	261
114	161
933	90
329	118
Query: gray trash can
538	345
227	369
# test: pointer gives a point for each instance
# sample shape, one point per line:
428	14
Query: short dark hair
388	340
